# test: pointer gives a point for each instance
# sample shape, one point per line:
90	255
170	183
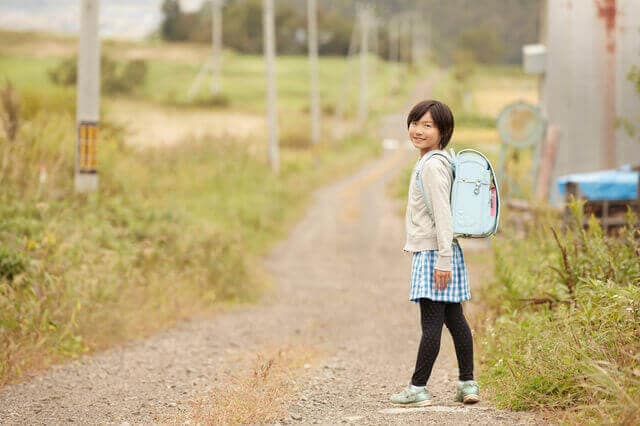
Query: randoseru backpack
475	199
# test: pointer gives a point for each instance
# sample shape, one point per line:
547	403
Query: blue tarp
621	184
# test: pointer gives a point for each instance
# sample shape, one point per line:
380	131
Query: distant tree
484	42
462	71
335	32
242	28
173	28
475	26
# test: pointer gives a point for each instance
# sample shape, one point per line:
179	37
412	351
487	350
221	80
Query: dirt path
342	288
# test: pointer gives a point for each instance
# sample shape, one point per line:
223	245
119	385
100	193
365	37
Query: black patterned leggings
432	316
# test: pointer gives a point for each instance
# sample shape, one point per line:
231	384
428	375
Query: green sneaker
412	397
468	392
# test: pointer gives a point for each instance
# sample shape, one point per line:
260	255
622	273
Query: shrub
66	73
567	334
115	77
216	101
10	113
11	264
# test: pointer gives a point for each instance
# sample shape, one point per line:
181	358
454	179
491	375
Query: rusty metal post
607	10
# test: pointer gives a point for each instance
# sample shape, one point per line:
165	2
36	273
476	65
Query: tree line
493	31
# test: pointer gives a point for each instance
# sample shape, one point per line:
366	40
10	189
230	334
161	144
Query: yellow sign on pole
87	147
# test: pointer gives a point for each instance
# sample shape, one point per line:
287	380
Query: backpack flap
474	196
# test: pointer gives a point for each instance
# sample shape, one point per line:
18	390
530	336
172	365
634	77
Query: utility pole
88	99
216	44
272	109
374	29
394	29
408	38
312	22
346	79
365	19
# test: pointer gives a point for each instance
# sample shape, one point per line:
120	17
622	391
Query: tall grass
566	335
172	233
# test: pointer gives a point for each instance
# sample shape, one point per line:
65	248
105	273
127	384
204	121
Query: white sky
118	18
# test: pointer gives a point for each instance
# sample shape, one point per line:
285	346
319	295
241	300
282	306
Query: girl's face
424	134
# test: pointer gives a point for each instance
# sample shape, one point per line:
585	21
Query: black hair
442	118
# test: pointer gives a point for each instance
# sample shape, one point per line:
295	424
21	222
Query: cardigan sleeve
437	179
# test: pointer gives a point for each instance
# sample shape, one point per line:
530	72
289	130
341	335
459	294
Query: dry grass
150	124
36	45
42	45
257	396
494	87
476	135
491	100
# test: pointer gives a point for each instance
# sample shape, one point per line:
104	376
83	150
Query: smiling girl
439	281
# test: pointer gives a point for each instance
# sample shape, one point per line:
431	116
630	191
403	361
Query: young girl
439	281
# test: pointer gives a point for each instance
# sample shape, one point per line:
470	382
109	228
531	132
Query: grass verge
565	329
173	233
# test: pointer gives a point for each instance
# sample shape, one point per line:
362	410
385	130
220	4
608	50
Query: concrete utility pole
216	44
415	40
365	19
408	30
272	109
88	98
346	80
312	21
374	30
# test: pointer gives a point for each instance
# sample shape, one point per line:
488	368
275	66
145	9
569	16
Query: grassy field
172	69
187	202
160	113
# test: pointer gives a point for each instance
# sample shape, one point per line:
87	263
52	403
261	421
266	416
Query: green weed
567	331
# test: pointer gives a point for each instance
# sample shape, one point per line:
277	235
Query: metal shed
591	47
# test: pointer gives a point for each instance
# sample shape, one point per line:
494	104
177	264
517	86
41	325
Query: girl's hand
442	279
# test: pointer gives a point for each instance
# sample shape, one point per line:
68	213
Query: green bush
215	101
11	264
567	331
66	73
115	77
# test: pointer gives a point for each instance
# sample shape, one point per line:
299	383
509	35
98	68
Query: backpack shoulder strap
419	167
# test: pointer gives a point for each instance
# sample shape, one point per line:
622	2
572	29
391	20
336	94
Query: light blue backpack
475	199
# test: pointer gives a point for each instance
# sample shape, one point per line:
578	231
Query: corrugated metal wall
591	45
628	54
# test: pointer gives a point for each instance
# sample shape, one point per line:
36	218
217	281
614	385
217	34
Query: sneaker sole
471	399
414	404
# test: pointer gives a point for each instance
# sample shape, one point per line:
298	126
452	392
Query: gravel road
341	287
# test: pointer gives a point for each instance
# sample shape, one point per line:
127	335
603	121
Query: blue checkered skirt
423	284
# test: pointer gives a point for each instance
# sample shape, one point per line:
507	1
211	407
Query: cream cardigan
423	233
